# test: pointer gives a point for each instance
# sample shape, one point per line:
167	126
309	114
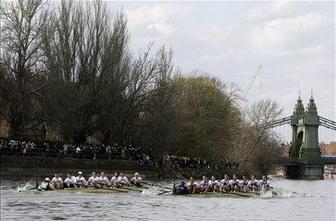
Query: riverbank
39	168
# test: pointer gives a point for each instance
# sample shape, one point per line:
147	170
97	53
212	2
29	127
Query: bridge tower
310	150
305	148
298	114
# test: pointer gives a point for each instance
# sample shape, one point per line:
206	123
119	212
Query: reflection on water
298	200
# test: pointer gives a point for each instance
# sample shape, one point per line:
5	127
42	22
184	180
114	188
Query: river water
298	200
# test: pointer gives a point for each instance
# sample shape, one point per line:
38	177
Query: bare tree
89	64
23	24
258	148
263	112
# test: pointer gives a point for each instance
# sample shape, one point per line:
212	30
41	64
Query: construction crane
252	80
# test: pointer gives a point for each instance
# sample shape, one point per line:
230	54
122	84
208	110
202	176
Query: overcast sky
294	41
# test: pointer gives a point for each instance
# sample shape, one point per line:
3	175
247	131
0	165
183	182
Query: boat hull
223	195
93	190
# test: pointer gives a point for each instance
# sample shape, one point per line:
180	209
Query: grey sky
294	41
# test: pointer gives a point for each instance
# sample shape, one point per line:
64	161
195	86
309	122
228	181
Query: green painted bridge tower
305	160
305	147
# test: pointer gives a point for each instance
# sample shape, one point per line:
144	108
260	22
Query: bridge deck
324	160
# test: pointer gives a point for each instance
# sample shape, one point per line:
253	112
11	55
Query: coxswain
80	180
92	181
56	182
70	181
181	189
136	180
264	183
103	181
115	180
224	184
124	181
234	183
45	185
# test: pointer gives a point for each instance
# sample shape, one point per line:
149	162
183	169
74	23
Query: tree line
67	67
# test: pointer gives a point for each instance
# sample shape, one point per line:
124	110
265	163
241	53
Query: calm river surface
300	200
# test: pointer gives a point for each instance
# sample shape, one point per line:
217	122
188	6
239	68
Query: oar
132	189
157	185
174	188
121	190
164	191
239	194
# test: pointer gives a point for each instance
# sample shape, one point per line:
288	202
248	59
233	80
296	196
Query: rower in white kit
136	180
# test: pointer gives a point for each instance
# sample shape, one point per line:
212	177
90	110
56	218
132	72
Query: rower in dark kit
264	184
234	183
253	184
213	185
243	185
224	184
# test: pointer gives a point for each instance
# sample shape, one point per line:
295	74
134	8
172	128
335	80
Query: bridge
305	160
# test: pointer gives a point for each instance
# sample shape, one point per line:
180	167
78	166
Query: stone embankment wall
39	168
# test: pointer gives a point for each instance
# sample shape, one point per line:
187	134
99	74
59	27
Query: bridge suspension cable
286	120
276	123
327	123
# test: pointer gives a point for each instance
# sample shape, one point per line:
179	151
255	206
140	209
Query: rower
124	181
192	186
45	185
80	180
253	184
204	184
56	182
115	180
212	185
92	181
103	181
244	184
264	183
224	184
70	181
234	183
136	180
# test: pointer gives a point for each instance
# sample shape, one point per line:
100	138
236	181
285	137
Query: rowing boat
140	190
94	190
223	195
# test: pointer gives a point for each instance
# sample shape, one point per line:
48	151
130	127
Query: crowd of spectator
107	152
72	151
183	163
